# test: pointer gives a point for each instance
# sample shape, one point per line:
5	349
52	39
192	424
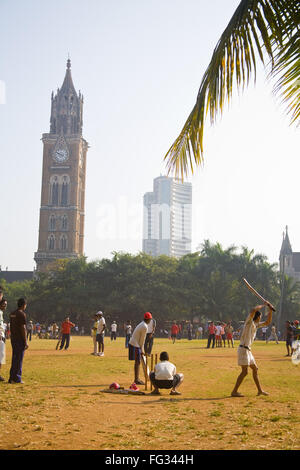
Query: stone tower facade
61	227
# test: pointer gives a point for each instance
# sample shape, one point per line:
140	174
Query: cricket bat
257	294
58	343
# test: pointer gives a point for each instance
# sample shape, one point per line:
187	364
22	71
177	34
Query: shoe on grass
155	392
139	382
174	392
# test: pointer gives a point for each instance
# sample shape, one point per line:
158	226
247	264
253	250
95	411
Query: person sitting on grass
165	376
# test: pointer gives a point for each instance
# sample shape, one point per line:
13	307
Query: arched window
51	242
54	191
64	223
64	191
52	222
63	243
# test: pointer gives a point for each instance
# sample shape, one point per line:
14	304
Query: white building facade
167	224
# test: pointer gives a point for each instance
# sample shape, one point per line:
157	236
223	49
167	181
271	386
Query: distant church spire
286	248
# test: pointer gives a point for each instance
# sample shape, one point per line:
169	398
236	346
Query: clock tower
61	228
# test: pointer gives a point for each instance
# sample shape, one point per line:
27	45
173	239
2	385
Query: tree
264	29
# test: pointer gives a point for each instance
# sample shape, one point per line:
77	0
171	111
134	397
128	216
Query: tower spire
66	110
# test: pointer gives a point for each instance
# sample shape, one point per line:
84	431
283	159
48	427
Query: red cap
297	322
147	316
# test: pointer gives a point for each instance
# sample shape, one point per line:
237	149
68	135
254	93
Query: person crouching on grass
165	376
245	356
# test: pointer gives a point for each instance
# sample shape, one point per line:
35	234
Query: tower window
64	192
51	242
63	243
64	223
52	223
54	192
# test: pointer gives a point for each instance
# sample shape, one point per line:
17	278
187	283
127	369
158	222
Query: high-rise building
167	224
61	227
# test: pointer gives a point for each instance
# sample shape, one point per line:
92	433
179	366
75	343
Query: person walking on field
128	332
174	331
65	332
288	337
100	334
245	356
136	347
229	333
211	334
113	331
18	337
94	333
273	335
3	306
223	336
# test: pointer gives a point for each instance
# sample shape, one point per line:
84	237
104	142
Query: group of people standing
219	333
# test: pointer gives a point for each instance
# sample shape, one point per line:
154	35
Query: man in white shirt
264	332
136	346
128	332
245	356
149	337
100	334
113	331
165	376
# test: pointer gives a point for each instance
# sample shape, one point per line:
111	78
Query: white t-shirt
113	327
249	332
164	370
139	335
151	326
218	330
2	327
128	329
101	324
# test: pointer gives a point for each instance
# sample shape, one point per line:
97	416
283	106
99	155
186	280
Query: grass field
60	406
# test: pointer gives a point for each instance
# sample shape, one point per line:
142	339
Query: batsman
245	356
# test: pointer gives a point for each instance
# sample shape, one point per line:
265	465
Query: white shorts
2	352
245	357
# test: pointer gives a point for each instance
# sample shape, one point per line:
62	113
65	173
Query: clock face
61	155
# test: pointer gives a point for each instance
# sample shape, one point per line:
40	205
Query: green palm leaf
264	29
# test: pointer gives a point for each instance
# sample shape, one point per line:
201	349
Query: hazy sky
139	64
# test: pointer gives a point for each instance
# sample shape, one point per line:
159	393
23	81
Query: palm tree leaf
260	28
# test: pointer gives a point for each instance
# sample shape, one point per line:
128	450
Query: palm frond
258	28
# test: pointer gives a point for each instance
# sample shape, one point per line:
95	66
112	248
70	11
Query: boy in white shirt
113	331
165	376
136	346
100	334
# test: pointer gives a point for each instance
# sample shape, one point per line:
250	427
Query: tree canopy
206	284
